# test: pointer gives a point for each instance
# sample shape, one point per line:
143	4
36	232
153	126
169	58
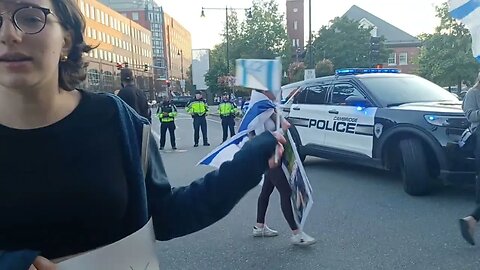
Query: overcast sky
412	16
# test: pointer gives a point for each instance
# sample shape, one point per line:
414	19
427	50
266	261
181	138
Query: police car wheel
414	167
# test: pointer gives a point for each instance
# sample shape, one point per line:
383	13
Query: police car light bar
354	71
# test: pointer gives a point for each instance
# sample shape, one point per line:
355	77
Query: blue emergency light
356	71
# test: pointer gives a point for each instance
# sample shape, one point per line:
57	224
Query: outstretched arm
184	210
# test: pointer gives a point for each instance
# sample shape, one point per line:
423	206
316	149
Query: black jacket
176	211
136	99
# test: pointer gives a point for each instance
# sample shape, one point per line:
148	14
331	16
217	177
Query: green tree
345	44
324	68
296	72
446	55
261	36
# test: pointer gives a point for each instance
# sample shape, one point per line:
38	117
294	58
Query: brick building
296	26
405	47
119	40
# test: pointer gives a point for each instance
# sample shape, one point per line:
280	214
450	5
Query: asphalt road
361	218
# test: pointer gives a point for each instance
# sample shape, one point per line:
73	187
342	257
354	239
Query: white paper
134	252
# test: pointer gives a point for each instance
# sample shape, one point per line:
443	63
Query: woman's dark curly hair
72	71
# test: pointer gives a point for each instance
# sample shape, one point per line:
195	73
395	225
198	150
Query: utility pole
310	52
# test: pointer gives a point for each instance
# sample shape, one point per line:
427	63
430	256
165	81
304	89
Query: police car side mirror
357	102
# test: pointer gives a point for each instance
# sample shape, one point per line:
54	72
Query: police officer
227	111
198	109
166	113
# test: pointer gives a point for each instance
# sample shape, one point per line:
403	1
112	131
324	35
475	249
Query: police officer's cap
198	92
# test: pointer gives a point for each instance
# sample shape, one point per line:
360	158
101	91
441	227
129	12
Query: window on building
295	25
295	10
102	17
92	12
87	10
82	7
94	34
392	59
403	59
89	32
135	16
97	15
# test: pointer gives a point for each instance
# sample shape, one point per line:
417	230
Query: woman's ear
67	43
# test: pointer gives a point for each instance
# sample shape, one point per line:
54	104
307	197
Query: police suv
384	119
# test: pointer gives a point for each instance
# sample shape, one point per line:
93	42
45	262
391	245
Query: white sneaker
302	239
264	232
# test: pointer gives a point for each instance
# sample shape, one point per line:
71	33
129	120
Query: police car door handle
296	108
333	111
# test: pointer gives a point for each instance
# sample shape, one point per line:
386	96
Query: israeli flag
259	111
468	12
261	74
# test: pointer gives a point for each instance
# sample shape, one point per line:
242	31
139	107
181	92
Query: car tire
298	144
414	168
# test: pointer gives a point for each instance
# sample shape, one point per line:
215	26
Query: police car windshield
397	90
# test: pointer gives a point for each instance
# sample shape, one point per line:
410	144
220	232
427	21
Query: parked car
181	101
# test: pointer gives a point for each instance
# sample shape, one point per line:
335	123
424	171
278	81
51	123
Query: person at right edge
166	113
227	111
471	107
198	109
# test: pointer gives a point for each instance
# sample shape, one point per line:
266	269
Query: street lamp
249	15
182	82
180	53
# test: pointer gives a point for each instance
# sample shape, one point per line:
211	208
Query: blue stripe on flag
464	10
209	160
270	75
243	63
257	108
478	58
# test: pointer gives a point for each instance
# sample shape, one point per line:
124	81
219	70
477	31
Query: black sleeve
129	97
184	210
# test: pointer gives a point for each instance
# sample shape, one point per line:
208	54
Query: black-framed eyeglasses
29	20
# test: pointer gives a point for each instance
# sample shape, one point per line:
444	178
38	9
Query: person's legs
261	229
232	126
279	180
263	200
163	133
196	130
224	129
203	125
468	223
171	129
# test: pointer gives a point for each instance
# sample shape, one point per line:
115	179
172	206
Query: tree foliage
446	55
346	44
324	68
261	36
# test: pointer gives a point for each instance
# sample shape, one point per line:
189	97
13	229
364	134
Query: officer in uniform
227	111
198	109
166	113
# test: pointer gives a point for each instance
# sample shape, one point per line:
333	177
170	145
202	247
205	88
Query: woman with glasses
79	171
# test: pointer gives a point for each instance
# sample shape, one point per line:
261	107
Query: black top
62	190
136	99
53	193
